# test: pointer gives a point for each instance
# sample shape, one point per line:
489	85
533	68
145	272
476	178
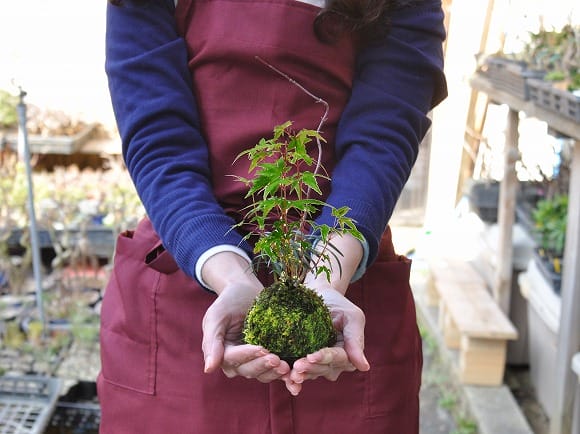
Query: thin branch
316	99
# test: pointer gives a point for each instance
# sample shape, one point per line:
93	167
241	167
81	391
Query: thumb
354	346
212	343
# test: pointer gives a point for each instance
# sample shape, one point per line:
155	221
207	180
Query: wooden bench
449	270
471	321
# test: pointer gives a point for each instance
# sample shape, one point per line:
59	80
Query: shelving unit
569	335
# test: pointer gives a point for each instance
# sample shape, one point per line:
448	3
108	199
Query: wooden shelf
556	121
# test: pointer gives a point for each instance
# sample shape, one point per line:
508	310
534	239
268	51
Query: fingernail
293	390
368	365
208	361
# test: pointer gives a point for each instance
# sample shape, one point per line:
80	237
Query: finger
328	356
272	375
293	388
212	343
353	336
213	353
264	368
327	362
277	371
330	372
243	359
236	355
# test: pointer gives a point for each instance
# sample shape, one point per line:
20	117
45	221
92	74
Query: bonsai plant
288	318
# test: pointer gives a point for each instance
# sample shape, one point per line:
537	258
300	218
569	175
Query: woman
193	83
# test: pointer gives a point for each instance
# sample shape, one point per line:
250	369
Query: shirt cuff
214	251
362	266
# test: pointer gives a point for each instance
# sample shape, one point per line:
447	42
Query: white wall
54	49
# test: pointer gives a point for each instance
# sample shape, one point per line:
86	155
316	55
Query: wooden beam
476	112
569	336
476	116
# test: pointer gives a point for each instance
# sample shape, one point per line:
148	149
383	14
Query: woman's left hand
222	326
348	353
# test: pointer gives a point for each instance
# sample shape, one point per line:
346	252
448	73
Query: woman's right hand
230	277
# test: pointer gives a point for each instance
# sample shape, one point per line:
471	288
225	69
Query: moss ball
290	320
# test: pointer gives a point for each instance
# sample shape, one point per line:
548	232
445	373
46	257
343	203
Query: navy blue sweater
398	80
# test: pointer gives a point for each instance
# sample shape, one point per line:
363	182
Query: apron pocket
392	338
129	318
127	363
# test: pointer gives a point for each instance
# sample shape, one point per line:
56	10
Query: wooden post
569	337
476	113
506	214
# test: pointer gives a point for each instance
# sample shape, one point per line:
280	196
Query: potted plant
550	216
288	318
556	52
8	114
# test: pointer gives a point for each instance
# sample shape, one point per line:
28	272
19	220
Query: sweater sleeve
398	80
158	122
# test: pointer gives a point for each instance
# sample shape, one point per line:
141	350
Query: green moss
290	320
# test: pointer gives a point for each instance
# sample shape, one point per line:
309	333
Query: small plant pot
546	266
483	199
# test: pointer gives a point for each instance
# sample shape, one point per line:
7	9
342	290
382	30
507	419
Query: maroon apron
152	378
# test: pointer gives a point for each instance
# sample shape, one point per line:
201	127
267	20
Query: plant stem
323	119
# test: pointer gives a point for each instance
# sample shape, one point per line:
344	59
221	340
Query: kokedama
288	318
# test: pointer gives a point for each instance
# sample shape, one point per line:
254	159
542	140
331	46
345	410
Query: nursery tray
27	403
510	76
71	418
546	96
78	412
101	239
63	145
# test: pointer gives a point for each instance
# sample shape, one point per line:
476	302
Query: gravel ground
435	417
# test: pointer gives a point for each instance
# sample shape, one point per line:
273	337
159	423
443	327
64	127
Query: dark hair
368	19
